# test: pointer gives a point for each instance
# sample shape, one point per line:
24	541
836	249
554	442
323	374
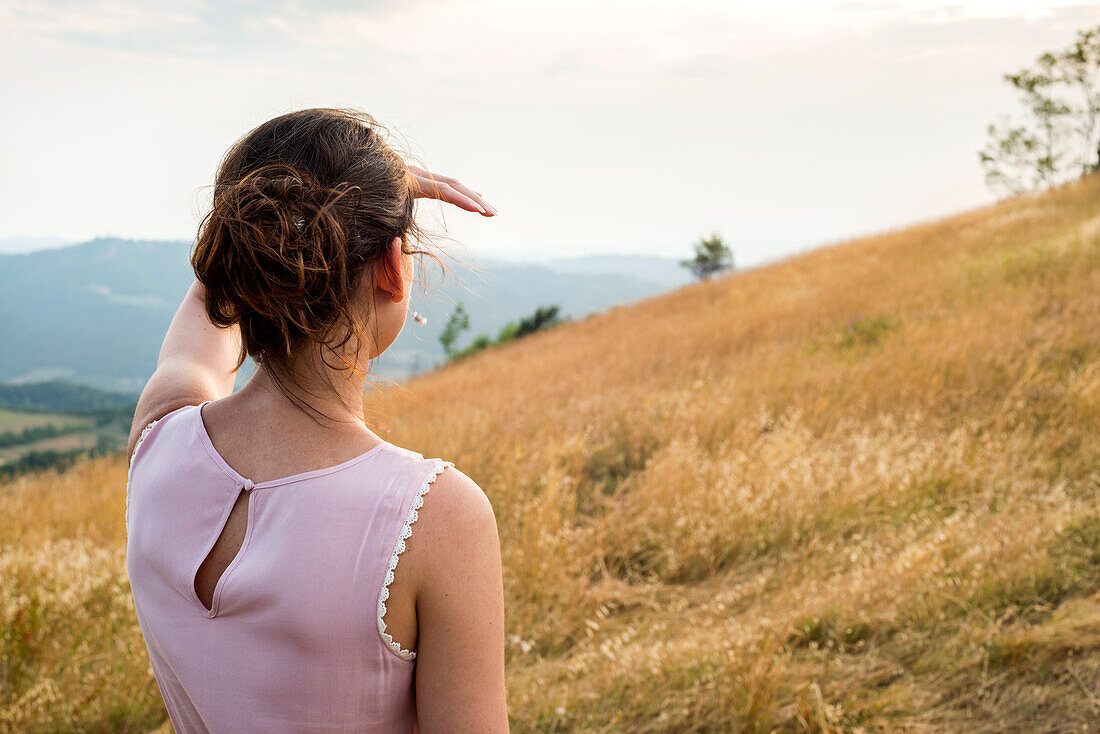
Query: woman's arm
460	685
196	363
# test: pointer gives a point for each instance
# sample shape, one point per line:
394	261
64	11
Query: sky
593	126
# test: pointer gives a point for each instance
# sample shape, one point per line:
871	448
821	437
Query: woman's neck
332	396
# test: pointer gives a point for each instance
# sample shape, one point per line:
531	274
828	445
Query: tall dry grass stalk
852	491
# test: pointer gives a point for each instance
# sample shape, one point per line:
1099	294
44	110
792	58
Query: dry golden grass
853	491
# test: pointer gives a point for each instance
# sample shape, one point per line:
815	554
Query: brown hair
302	205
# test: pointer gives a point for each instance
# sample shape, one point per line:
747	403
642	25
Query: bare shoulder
456	522
458	500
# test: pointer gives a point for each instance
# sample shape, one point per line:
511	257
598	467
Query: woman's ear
388	273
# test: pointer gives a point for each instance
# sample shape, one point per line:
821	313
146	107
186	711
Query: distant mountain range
95	313
12	245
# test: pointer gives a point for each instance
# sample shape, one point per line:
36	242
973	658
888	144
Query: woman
265	526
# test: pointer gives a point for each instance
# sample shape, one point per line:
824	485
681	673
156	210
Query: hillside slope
856	490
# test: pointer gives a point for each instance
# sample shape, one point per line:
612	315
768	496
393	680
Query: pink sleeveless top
295	639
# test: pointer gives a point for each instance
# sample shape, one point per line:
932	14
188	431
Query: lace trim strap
399	548
130	470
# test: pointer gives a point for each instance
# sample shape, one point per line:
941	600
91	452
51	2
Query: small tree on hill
1059	136
711	256
543	318
459	321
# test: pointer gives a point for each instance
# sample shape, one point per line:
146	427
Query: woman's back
294	637
264	586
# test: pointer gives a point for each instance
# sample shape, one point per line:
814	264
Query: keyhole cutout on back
224	551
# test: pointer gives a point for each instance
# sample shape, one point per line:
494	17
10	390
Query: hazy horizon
17	245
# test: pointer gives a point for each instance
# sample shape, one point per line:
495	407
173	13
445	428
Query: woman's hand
433	186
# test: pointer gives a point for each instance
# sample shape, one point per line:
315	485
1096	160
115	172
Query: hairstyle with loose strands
302	205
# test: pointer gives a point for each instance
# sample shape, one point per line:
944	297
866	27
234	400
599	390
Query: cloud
939	28
182	25
126	300
571	51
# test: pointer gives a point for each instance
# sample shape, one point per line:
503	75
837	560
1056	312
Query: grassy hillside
856	490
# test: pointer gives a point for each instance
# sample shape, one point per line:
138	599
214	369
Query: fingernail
492	209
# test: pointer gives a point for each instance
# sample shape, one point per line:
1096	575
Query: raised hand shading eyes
434	186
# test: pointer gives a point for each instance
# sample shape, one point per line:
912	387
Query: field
50	425
853	491
14	420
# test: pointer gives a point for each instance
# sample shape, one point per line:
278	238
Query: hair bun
277	194
304	206
280	182
281	256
